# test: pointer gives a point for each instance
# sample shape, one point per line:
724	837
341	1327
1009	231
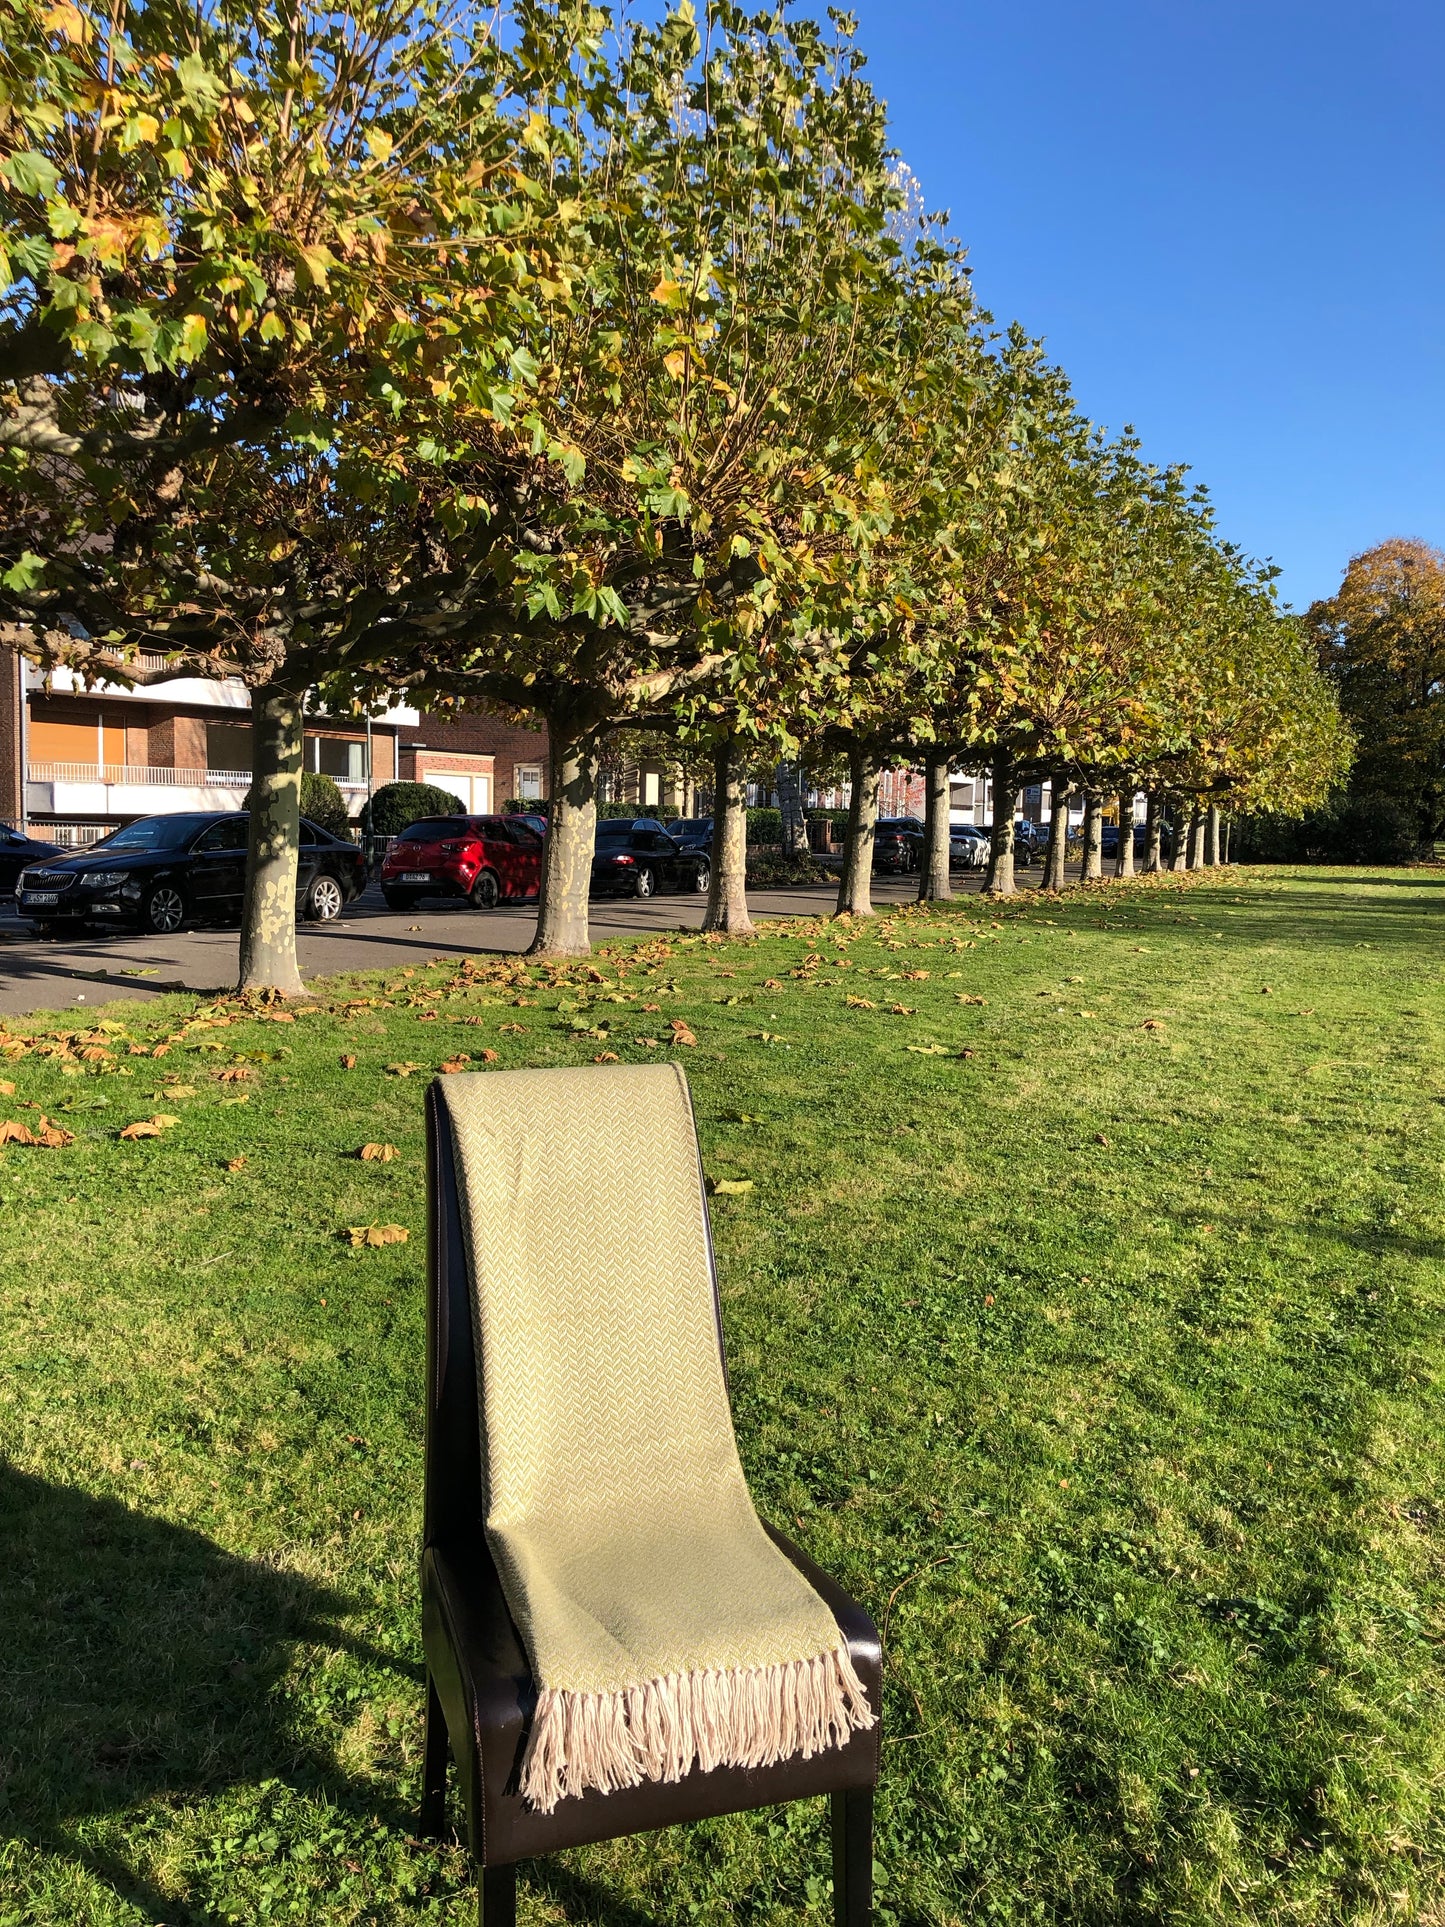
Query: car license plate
416	876
39	898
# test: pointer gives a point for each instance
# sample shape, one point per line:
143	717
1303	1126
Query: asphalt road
56	973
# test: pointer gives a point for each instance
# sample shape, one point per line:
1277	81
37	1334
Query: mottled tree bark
727	884
1093	869
1124	862
268	917
1179	819
999	881
1057	852
1153	834
855	891
935	883
790	804
1196	840
1211	846
562	927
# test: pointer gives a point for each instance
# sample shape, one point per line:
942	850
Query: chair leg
434	1768
498	1897
853	1857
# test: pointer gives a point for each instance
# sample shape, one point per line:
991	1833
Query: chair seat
479	1668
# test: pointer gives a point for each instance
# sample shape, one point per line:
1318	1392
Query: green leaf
26	574
32	173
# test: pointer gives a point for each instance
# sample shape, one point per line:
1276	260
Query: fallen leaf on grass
748	1117
235	1074
1151	1023
928	1050
7	1089
652	1009
647	1043
401	1070
454	1064
683	1033
489	1057
520	1029
967	997
49	1137
861	1003
1266	990
771	983
348	1060
375	1234
378	1153
729	1187
1099	1138
244	1098
143	1127
607	1057
179	1090
236	1164
903	1010
915	976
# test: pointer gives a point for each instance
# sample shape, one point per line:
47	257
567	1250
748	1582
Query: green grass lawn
1084	1317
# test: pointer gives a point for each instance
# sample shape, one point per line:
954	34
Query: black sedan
692	832
16	850
161	872
897	845
631	861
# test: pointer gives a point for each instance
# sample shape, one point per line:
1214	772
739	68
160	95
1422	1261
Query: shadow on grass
141	1661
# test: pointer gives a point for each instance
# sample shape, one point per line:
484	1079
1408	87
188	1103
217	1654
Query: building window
335	756
528	777
960	796
651	789
228	747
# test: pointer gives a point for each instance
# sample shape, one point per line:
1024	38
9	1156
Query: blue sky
1227	221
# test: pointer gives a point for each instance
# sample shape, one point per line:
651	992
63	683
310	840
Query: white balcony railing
145	775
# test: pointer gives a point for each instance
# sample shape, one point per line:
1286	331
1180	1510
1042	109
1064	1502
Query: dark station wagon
162	872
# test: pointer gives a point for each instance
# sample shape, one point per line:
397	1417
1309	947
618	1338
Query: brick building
482	759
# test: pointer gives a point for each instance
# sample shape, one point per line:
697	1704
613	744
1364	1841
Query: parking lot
52	973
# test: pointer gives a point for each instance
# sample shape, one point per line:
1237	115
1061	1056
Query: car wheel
703	878
399	899
646	883
165	910
324	900
486	891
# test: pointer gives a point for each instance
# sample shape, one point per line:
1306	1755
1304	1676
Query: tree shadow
142	1660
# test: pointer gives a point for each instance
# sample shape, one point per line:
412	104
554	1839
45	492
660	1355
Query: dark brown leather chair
479	1688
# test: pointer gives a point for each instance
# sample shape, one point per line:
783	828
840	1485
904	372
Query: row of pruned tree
520	358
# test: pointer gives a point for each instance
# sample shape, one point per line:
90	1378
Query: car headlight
102	879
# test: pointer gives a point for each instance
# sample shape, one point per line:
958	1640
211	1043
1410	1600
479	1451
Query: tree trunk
1153	834
727	884
1196	839
855	891
999	881
935	883
1180	859
1228	834
790	804
562	929
1058	850
1124	862
1211	848
1093	871
268	919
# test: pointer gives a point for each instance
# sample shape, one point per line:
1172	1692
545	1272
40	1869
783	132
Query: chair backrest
454	1504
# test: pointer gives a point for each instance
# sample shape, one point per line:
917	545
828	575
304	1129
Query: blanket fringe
748	1716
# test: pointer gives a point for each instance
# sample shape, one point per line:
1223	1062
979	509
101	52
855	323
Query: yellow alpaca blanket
663	1626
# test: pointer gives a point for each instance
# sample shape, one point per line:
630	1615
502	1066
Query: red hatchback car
482	858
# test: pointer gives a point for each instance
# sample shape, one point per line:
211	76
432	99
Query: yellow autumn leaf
373	1235
378	1153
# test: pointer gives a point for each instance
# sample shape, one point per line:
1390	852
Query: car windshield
431	829
615	826
689	826
151	833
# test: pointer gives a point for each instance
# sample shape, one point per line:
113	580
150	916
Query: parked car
898	845
638	859
161	872
1109	840
481	859
626	825
16	850
967	847
692	832
1031	840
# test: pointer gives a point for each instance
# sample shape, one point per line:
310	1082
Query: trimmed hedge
396	806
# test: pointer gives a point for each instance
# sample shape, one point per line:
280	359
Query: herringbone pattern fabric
660	1619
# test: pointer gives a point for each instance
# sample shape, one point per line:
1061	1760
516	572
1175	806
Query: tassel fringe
751	1716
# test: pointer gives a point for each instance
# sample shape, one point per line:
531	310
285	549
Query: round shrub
396	806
